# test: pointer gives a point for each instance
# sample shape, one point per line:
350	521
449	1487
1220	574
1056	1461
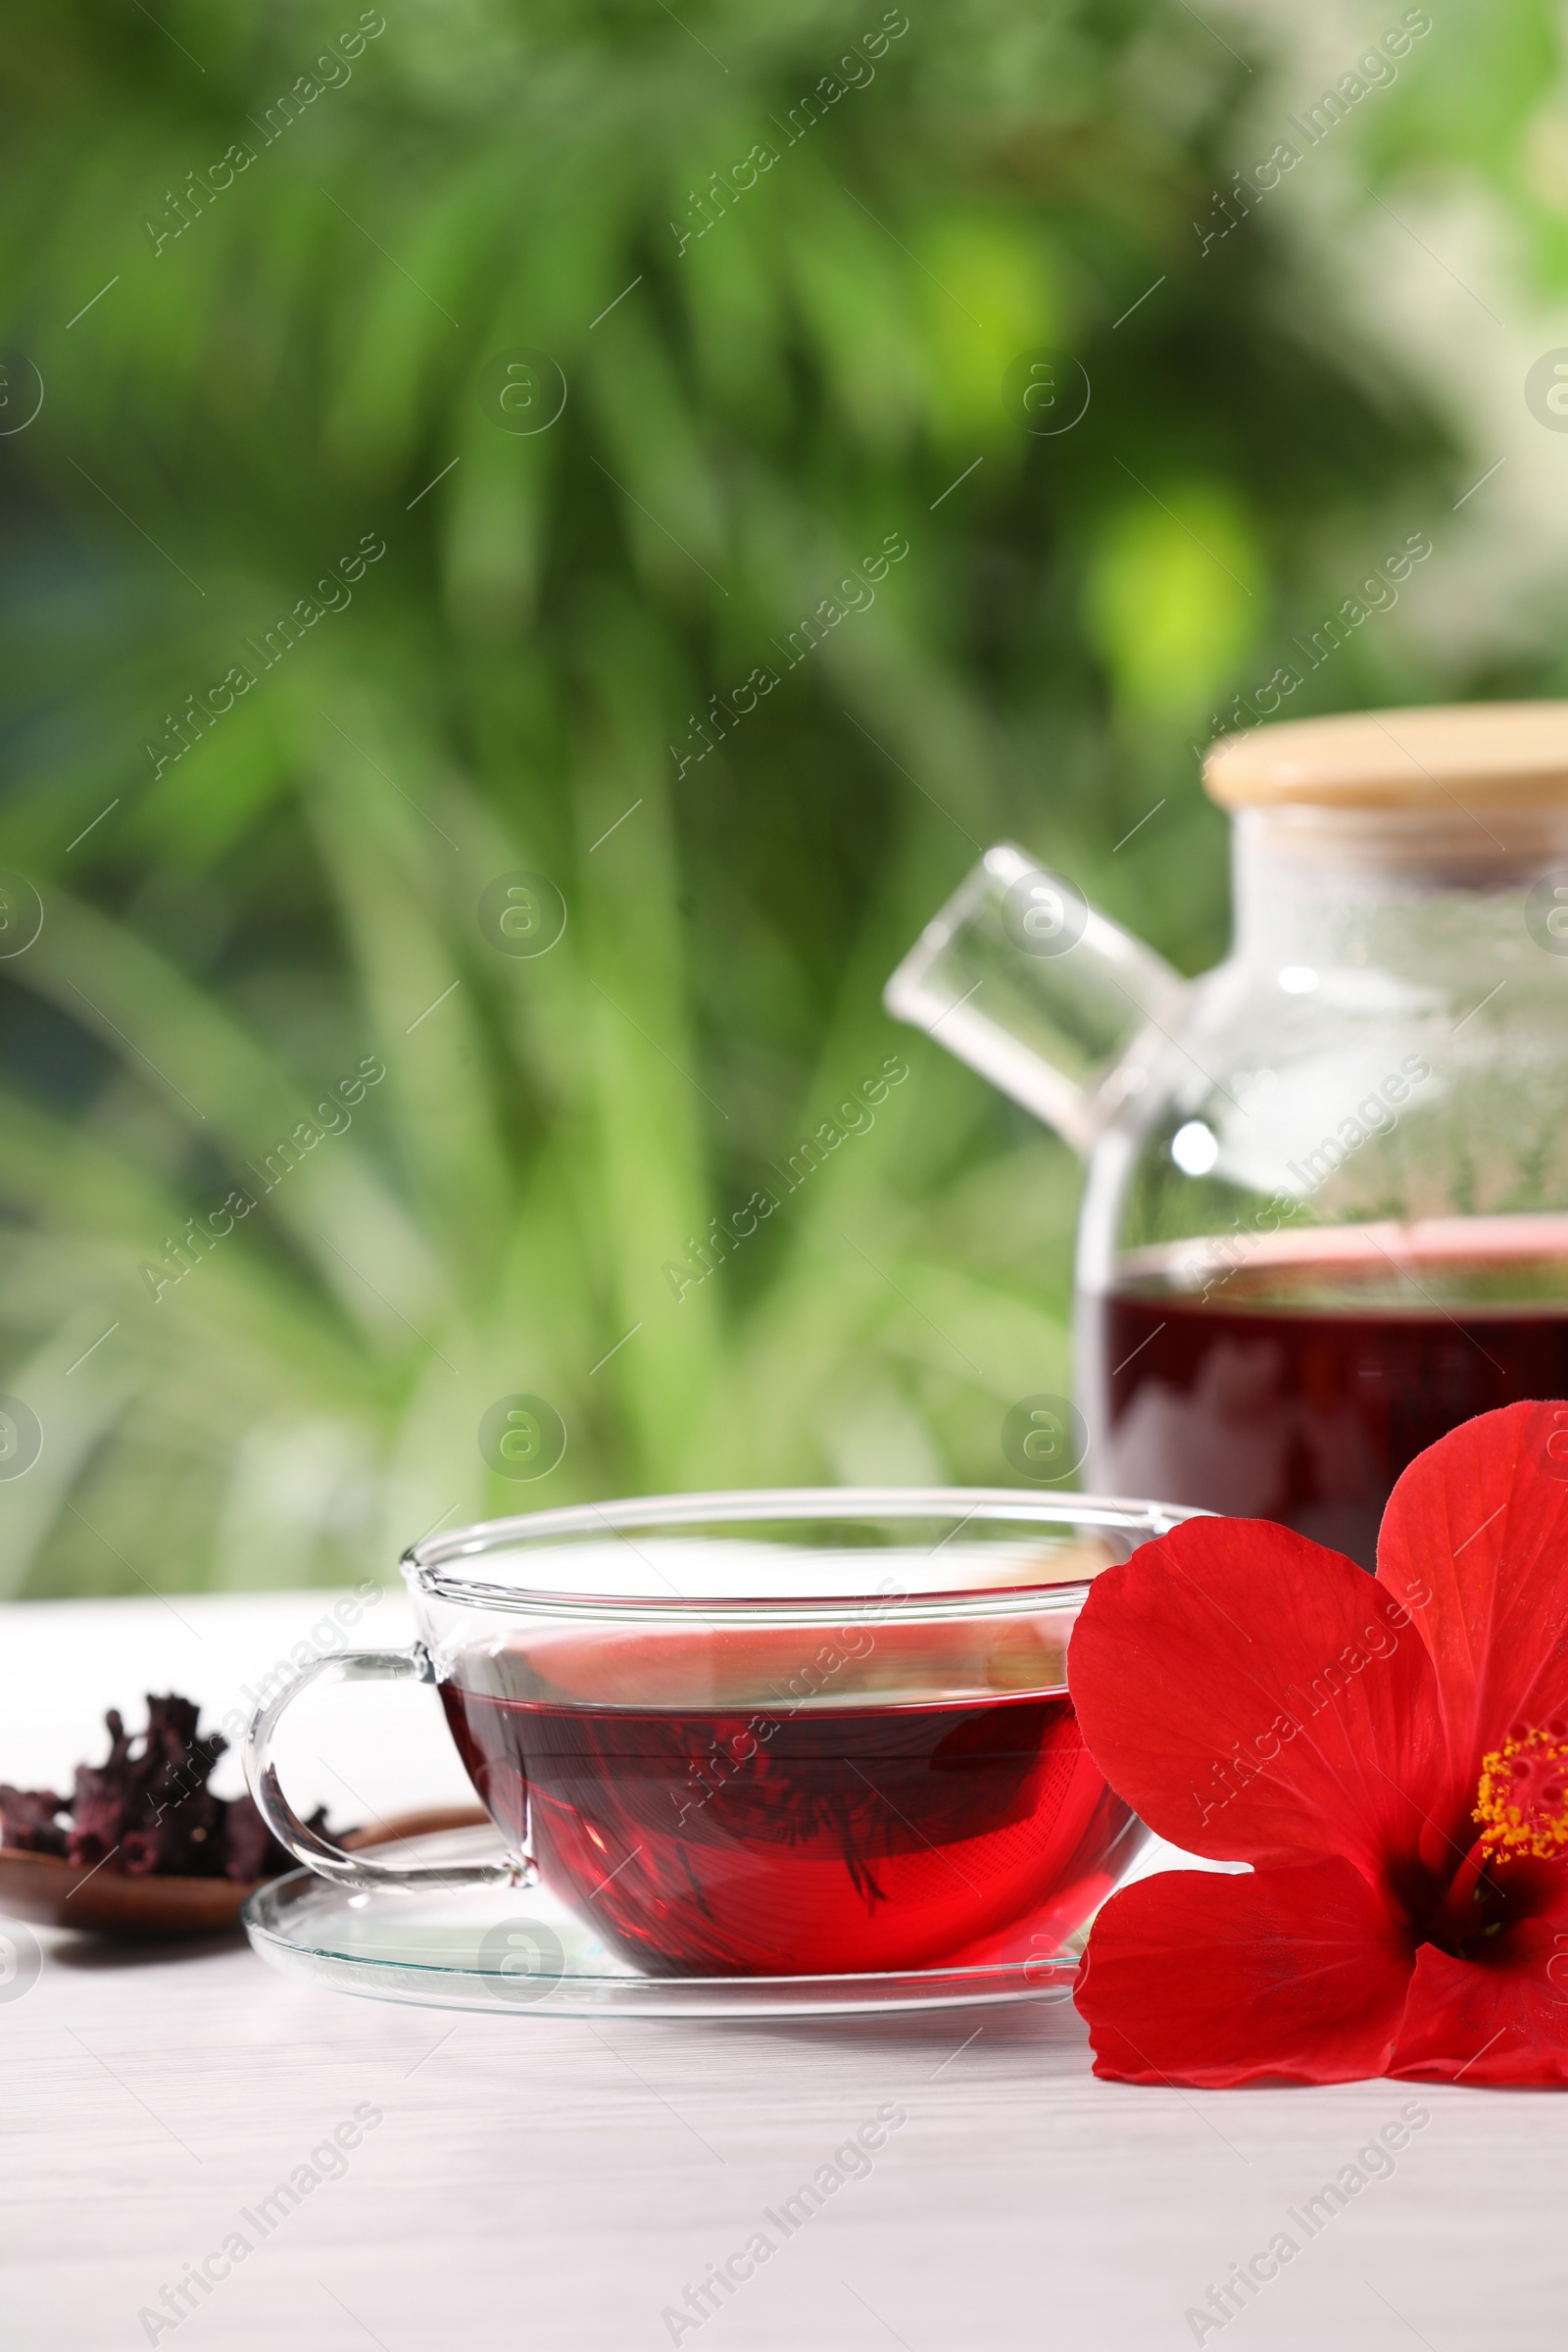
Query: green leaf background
512	687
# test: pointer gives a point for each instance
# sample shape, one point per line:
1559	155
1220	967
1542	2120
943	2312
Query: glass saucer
517	1948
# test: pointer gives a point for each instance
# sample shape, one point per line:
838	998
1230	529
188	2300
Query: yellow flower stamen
1522	1801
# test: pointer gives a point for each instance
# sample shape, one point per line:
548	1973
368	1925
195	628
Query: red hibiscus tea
821	1732
825	1817
1300	1384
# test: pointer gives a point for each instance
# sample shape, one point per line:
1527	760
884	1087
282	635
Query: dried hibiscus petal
27	1819
250	1849
147	1809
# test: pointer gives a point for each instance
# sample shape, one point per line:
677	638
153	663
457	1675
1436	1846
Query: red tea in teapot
1295	1379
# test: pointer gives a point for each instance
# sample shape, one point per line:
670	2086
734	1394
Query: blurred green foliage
272	366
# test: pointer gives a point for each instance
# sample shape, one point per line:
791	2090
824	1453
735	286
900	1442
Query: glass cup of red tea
769	1733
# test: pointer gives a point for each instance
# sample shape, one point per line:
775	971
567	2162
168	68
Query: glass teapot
1326	1215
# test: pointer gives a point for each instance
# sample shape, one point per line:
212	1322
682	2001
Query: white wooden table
536	2184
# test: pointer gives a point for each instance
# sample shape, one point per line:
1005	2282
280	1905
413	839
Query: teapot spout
1023	980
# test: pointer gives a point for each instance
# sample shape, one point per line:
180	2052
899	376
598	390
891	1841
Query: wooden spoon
108	1902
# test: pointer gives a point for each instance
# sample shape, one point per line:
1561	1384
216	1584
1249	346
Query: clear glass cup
769	1733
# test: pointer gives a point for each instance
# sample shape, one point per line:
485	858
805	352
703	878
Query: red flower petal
1256	1698
1295	1976
1504	2022
1475	1544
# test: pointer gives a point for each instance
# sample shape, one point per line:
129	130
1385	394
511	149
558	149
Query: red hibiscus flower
1391	1755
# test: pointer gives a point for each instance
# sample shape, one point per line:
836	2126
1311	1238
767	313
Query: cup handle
412	1665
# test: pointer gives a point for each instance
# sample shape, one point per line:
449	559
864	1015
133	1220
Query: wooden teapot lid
1510	753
